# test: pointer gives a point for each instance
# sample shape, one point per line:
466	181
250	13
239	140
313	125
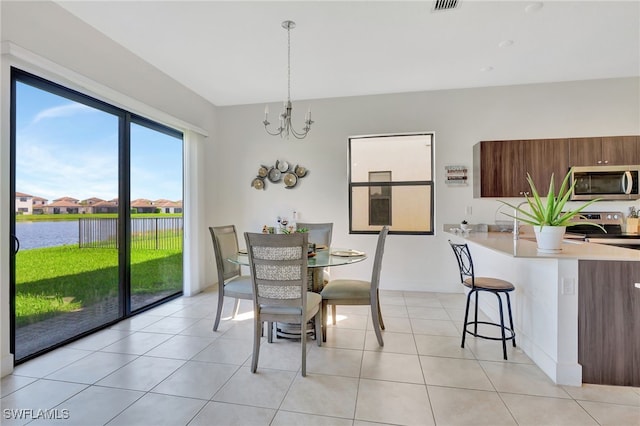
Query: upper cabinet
494	180
501	167
605	151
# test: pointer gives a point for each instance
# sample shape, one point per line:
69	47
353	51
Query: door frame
125	119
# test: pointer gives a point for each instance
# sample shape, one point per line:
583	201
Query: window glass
391	183
408	157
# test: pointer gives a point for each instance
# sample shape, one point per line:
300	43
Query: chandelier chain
289	64
286	128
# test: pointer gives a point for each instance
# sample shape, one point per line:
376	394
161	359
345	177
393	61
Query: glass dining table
323	258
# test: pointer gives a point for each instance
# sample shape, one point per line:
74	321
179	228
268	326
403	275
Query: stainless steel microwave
606	182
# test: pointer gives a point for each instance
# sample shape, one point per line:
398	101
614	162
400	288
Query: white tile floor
166	366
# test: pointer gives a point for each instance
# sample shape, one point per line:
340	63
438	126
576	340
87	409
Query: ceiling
235	52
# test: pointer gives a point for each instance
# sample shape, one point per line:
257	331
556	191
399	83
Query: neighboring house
38	205
64	205
87	206
24	203
168	206
142	205
105	206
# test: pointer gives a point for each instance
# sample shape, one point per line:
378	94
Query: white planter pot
549	238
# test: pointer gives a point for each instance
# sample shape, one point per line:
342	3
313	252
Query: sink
573	241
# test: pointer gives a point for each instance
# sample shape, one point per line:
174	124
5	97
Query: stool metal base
503	329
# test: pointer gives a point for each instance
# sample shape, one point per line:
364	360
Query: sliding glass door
90	251
156	214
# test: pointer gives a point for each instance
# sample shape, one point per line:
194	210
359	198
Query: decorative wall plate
300	171
290	180
274	175
258	183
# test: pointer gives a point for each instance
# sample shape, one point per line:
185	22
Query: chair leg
324	320
303	340
318	323
466	317
380	315
375	316
475	325
236	308
504	339
219	308
513	330
257	333
333	314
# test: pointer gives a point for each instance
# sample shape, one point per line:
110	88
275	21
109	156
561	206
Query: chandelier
285	127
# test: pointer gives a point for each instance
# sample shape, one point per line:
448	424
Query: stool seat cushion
489	283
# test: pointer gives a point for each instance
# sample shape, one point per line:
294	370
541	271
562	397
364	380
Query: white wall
459	118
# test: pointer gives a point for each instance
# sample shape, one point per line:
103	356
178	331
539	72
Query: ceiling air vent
439	5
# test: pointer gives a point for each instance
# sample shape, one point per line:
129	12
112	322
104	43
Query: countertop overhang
525	247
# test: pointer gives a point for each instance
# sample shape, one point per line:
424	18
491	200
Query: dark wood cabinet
501	164
544	158
609	322
604	151
501	167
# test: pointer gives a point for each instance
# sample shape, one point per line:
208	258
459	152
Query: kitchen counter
545	301
525	247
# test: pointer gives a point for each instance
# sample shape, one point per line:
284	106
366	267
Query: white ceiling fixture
286	127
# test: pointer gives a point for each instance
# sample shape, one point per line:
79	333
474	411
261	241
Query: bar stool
476	285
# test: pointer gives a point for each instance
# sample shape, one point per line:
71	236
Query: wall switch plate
568	286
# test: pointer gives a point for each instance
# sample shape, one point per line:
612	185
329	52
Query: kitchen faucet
516	228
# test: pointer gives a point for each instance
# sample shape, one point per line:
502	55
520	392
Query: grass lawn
65	278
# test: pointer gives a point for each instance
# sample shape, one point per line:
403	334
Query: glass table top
322	259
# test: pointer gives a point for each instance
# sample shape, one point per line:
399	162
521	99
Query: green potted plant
549	217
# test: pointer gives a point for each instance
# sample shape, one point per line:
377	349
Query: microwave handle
627	182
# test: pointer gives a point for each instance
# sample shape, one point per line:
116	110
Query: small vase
549	238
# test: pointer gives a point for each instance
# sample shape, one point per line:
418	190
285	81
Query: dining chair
278	266
359	292
320	234
476	285
231	282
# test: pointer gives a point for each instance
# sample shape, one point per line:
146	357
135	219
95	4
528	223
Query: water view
46	233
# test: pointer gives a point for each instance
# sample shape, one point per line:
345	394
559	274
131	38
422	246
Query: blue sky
64	148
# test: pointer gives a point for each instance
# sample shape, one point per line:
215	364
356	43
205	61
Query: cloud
68	110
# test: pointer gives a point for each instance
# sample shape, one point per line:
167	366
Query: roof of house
75	200
141	202
167	203
91	201
64	202
104	203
